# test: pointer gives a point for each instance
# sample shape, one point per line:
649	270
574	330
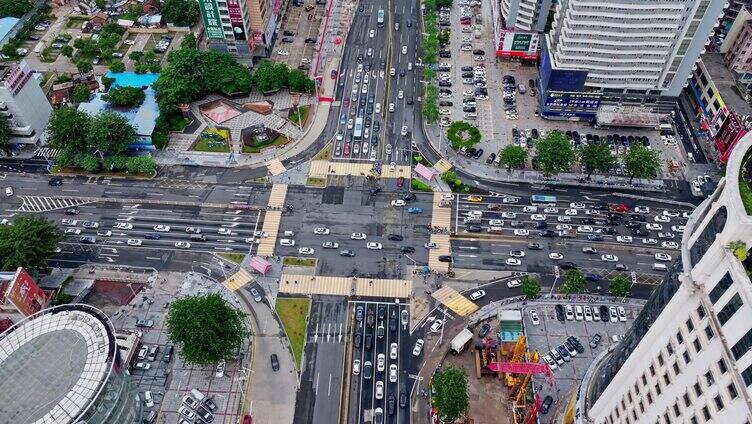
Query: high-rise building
737	47
621	52
525	15
730	12
688	356
23	104
62	365
242	28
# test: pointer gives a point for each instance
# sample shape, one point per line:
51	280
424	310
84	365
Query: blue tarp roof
7	24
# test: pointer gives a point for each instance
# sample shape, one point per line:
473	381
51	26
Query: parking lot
169	380
550	332
296	43
343	212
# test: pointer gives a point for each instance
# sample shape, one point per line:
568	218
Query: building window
714	226
677	411
666	418
709	333
660	359
698	389
687	358
709	380
687	400
747	375
698	346
650	399
679	337
677	370
720	288
730	309
718	403
629	396
690	325
732	391
693	420
743	345
670	348
642	407
666	379
701	312
658	390
722	366
706	413
644	380
652	371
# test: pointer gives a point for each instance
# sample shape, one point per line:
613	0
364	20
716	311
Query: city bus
358	129
380	19
540	198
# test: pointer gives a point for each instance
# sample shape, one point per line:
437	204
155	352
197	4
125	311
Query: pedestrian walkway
46	203
275	167
441	216
46	152
443	166
277	196
272	219
453	300
344	286
443	248
238	280
322	169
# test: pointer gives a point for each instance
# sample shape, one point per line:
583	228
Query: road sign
556	271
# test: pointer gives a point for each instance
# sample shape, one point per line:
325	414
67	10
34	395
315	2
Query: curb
654	199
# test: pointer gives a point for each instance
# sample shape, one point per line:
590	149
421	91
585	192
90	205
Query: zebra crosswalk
46	152
47	203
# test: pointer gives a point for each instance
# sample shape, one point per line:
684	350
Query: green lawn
316	181
293	313
210	144
281	140
75	22
301	117
299	261
324	153
235	257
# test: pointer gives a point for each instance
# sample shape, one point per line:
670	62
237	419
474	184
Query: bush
140	164
419	185
457	138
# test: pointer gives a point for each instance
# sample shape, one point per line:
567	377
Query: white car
306	251
393	373
381	362
642	209
508	215
403	131
672	214
372	33
330	245
398	203
134	242
477	294
123	226
521	232
404	49
666	235
588	316
283	52
609	258
373	245
357	236
445	112
162	228
400	94
577	205
71	222
418	348
287	242
377	108
436	326
555	256
534	317
622	314
431	245
104	233
584	229
321	231
591	212
570	212
661	218
224	231
670	245
393	349
391	107
654	227
664	257
649	241
468	93
186	412
182	245
551	210
624	239
514	283
562	227
356	367
564	218
75	231
392	72
379	393
517	253
538	217
513	262
569	312
612	314
496	223
551	363
677	228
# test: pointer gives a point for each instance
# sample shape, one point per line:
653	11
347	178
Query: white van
495	230
530	209
659	267
198	395
287	242
409	66
471	220
289	233
578	313
148	400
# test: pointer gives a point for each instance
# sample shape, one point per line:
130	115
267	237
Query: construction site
500	369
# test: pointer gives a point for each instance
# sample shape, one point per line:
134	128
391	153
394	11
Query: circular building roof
53	365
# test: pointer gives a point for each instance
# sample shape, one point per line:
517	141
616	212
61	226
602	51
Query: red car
334	74
346	150
618	208
400	181
247	419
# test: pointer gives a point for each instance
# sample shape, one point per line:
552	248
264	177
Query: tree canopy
110	133
67	129
14	8
80	93
514	156
596	157
206	328
574	281
641	162
451	393
619	286
180	12
530	287
188	41
117	66
84	66
463	134
430	107
125	96
28	242
554	153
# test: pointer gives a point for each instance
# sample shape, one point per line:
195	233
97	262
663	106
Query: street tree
117	66
298	81
4	135
514	156
110	133
619	286
14	8
449	177
530	287
574	282
67	130
430	108
188	42
84	66
180	12
135	55
444	37
554	153
266	78
206	328
28	242
641	162
596	157
80	94
67	51
451	393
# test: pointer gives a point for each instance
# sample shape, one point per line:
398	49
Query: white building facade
636	52
24	105
525	15
688	357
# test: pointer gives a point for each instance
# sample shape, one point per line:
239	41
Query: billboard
579	101
211	19
271	26
236	19
730	132
24	294
523	45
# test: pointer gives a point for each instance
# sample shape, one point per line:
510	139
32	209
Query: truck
461	340
572	233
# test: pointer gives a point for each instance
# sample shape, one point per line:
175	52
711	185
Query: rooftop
724	82
54	364
6	25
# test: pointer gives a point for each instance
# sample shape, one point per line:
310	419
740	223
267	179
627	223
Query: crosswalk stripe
47	203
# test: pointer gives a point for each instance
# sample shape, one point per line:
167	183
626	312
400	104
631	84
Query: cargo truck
461	340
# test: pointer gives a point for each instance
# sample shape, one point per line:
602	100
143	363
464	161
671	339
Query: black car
491	158
55	181
595	237
610	230
632	224
470	152
407	249
369	340
478	153
546	405
445	258
466	68
639	232
568	265
484	329
287	39
382	311
359	313
588	221
442	69
640	218
370	318
71	211
474	229
445	54
391	404
445	103
595	340
348	253
409	23
395	237
408	197
358	339
468	109
547	233
559	313
375	191
402	399
542	225
275	362
445	84
393	323
467	74
88	240
409	100
288	33
604	313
